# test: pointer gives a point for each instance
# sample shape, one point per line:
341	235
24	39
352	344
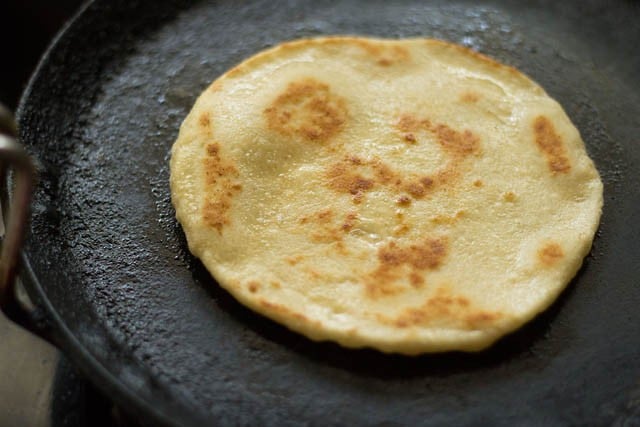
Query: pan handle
14	157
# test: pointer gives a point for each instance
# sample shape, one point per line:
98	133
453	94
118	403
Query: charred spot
307	109
551	145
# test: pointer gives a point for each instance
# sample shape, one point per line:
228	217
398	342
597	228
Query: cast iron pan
108	264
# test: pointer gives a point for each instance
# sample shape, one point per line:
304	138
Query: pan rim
65	340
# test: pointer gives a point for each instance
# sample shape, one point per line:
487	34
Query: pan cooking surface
111	266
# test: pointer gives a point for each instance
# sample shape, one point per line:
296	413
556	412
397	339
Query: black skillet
108	265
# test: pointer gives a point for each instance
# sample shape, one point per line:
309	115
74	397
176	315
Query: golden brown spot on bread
216	169
326	228
383	173
253	287
509	196
205	120
455	143
410	123
214	214
447	219
392	56
416	279
349	221
550	253
283	310
275	284
293	260
220	183
394	259
481	319
551	145
444	309
324	216
342	178
428	254
309	110
213	149
401	230
384	55
355	176
313	273
419	188
354	160
470	97
410	138
478	183
403	201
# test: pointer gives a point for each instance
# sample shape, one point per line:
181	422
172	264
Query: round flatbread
407	195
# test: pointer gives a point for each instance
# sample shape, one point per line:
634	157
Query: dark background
26	29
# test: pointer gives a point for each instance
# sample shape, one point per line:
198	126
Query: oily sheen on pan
406	195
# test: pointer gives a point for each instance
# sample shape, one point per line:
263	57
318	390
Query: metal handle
13	156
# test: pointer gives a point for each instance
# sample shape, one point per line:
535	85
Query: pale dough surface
407	195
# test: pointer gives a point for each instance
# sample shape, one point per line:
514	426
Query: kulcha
410	196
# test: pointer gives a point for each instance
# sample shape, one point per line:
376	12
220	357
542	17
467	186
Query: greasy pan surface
109	264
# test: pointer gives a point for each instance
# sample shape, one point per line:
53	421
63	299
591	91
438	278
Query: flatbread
407	195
